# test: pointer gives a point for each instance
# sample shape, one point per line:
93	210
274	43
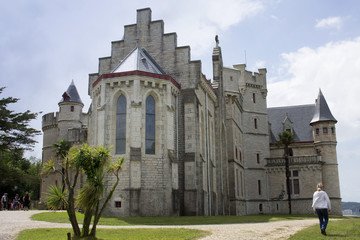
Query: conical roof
322	111
138	60
71	95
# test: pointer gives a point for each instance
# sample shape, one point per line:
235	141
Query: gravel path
12	222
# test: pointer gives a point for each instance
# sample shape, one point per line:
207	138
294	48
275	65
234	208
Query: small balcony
294	160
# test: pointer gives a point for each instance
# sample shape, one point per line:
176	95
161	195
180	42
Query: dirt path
12	222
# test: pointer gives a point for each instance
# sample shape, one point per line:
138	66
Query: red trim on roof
208	82
136	73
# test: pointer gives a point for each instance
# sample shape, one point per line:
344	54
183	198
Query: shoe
323	232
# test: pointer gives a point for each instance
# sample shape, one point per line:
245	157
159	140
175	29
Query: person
16	202
322	207
4	201
26	200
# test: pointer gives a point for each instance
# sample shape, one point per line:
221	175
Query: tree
61	149
17	174
95	163
15	133
57	196
286	138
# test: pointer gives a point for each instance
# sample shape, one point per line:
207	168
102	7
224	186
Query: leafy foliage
15	132
286	138
95	164
56	198
17	174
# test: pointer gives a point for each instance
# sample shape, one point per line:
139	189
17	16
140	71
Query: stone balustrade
294	160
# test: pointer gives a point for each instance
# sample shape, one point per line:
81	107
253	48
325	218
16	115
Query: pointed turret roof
322	111
138	59
71	95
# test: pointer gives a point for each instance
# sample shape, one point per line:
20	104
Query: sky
305	45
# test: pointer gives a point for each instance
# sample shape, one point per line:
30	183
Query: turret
70	111
323	124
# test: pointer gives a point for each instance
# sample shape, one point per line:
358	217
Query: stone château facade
194	146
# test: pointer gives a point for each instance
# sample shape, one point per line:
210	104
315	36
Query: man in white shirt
322	207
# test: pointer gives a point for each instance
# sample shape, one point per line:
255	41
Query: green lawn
347	228
62	217
115	234
344	229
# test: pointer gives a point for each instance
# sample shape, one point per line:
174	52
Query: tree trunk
87	221
71	207
98	214
287	169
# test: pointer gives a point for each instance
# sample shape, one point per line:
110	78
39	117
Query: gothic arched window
150	125
121	125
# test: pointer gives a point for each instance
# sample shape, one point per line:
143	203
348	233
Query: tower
66	124
323	124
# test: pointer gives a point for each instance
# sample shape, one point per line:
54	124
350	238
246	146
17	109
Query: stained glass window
150	126
121	125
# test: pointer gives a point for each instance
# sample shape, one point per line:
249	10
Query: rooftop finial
217	40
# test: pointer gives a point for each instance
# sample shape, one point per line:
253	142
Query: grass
345	229
62	217
115	234
348	228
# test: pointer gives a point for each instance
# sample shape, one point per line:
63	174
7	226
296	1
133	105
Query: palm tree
286	138
63	152
62	148
95	163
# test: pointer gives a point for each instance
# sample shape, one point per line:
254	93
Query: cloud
330	22
335	68
198	28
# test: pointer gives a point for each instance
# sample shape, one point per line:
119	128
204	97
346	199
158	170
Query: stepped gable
71	95
322	111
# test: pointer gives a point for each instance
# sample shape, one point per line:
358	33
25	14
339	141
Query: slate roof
71	94
322	111
300	116
138	59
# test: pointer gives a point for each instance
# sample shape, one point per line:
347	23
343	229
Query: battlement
255	78
49	120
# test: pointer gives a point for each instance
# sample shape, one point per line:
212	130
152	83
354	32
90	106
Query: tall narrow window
259	187
255	123
254	99
295	183
258	158
121	125
150	126
72	108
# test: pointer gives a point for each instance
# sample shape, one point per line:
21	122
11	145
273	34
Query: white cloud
198	28
330	22
335	68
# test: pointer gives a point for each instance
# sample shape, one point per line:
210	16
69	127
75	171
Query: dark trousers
323	217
